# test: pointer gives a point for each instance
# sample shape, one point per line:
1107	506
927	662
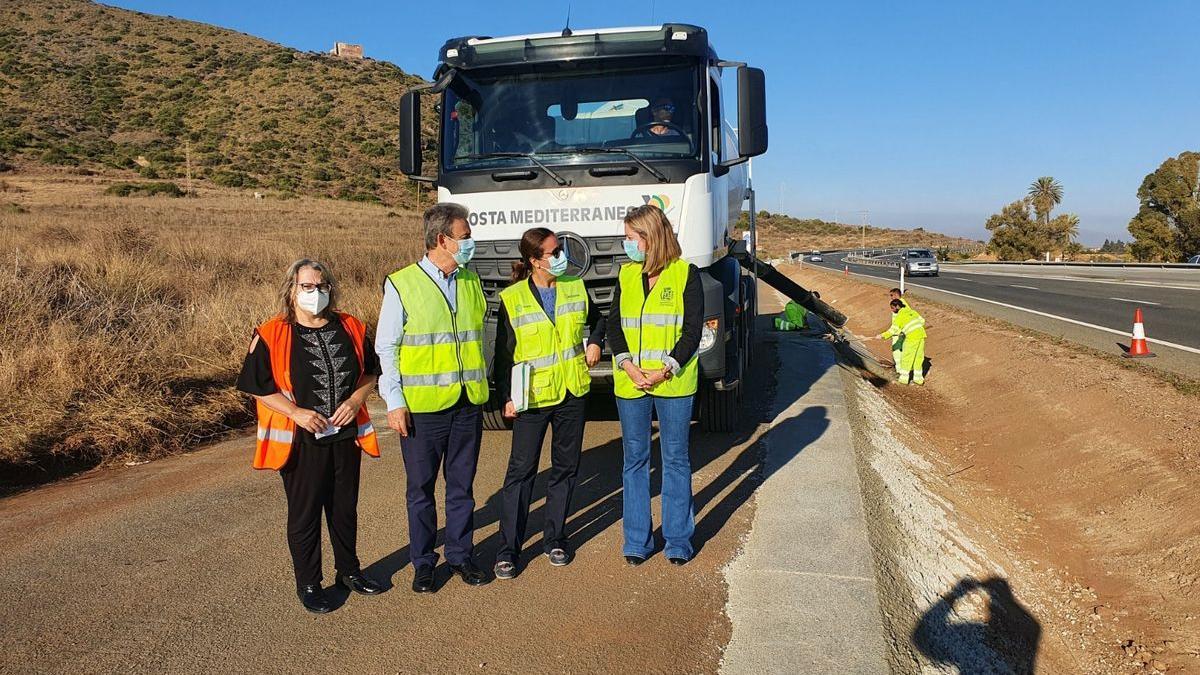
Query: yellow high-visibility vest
652	325
441	351
554	350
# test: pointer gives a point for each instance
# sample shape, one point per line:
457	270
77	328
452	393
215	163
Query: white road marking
1129	282
1136	302
1062	318
1032	288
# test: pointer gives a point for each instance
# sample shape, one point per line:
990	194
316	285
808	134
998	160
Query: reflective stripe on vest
553	349
276	431
652	324
441	351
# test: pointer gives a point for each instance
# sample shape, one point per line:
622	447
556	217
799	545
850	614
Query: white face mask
313	302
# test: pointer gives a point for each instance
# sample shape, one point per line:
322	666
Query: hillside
779	233
99	88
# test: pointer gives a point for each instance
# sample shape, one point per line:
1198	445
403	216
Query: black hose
780	282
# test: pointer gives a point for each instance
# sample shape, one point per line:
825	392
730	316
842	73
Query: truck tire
493	415
719	410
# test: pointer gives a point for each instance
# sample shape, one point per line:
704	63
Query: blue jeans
674	425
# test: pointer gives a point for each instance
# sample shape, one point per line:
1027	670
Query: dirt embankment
1066	475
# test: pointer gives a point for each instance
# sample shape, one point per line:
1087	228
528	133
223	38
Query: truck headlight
708	335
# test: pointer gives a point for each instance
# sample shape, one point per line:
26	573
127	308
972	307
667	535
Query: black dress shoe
423	580
314	599
359	583
677	561
470	573
634	560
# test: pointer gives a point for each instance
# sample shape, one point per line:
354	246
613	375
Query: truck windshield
555	112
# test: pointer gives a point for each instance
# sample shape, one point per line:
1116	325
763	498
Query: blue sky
931	114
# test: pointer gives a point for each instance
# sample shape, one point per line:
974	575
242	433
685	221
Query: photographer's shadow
1006	642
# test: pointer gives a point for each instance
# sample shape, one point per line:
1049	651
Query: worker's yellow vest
555	349
652	325
441	351
909	323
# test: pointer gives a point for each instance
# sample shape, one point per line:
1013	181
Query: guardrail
1055	263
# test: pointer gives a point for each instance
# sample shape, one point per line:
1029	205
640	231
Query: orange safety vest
276	431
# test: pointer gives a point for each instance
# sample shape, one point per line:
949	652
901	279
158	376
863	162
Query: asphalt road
181	565
1063	300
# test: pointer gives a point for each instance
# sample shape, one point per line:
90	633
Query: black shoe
677	561
423	579
470	573
314	599
634	560
359	583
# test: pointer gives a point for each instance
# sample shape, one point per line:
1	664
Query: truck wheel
493	415
719	410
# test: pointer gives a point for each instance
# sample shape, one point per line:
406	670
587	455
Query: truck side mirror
410	133
752	112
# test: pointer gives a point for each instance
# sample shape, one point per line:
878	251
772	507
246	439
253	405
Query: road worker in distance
898	340
909	325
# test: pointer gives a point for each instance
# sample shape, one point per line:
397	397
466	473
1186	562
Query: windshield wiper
527	155
662	177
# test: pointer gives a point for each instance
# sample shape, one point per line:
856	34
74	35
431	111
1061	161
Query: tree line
1165	229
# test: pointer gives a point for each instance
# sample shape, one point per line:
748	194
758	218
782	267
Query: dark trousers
449	439
566	443
320	478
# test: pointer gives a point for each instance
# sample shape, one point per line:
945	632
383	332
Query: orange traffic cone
846	270
1138	348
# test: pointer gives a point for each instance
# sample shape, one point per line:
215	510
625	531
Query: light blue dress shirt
390	330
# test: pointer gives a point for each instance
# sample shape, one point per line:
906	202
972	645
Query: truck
569	130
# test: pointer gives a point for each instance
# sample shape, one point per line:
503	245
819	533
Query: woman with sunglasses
310	369
541	322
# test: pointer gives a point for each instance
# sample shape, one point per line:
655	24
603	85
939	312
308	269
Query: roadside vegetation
778	233
1167	225
1025	229
123	322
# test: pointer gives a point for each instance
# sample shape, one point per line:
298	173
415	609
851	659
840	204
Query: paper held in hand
520	386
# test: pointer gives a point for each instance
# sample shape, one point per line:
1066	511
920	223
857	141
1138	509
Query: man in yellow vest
897	340
911	326
430	346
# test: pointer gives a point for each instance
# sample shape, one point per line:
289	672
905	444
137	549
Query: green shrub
144	189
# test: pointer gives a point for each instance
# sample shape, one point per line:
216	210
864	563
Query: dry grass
124	320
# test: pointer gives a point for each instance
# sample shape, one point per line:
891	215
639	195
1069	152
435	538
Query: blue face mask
635	254
558	264
466	250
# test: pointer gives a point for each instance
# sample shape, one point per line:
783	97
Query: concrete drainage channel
938	590
877	573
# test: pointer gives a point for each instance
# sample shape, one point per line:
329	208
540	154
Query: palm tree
1064	229
1045	193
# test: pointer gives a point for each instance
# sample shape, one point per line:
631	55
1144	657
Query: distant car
816	257
1194	260
920	261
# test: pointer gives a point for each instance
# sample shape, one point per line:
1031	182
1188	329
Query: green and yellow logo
663	202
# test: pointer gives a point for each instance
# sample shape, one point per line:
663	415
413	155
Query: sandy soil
1062	474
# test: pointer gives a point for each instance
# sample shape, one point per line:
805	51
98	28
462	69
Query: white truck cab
569	131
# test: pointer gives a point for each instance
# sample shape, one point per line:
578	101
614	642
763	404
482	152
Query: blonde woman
654	332
310	368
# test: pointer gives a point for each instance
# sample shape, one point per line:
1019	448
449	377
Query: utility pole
864	215
187	158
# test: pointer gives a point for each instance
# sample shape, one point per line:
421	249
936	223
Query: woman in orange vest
310	369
